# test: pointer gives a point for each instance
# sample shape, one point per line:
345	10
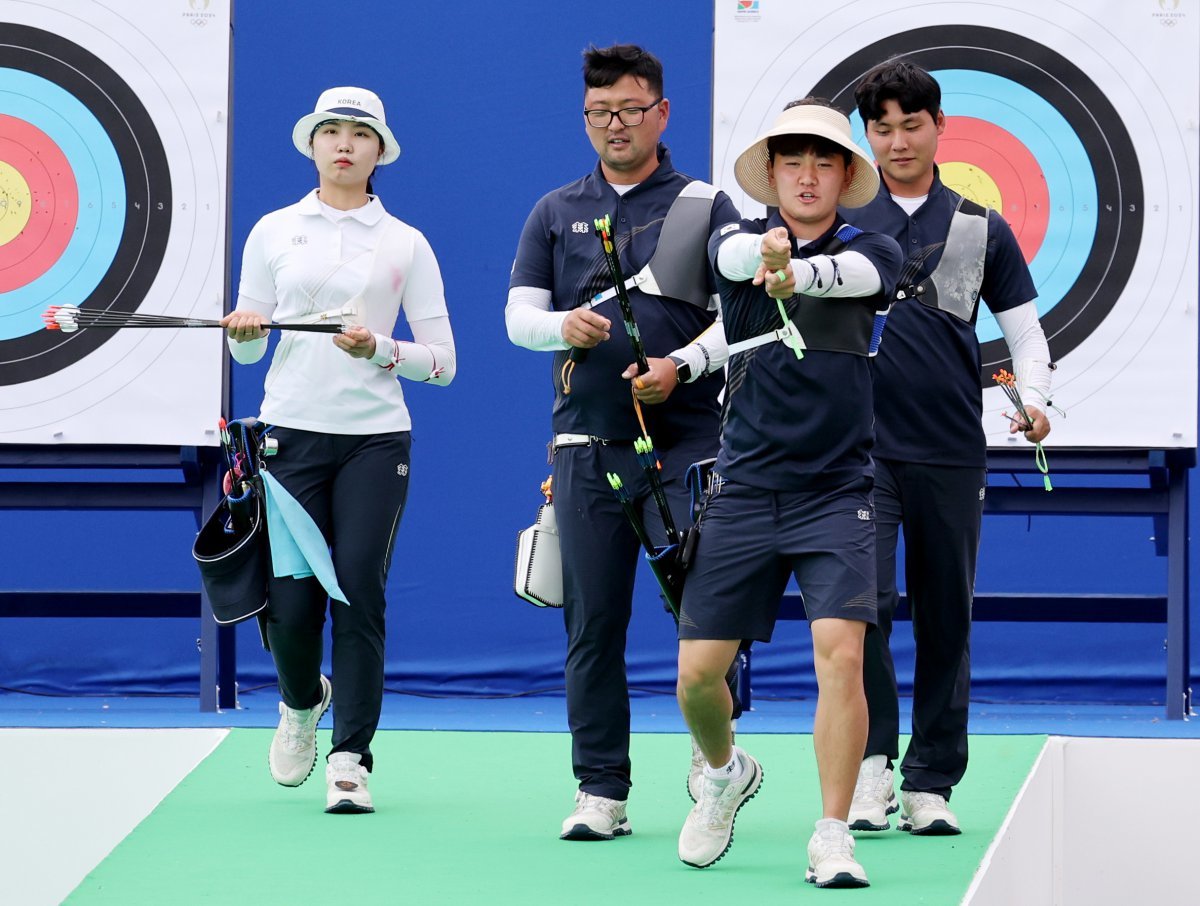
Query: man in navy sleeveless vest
930	449
803	296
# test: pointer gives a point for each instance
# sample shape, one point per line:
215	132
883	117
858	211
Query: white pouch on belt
538	576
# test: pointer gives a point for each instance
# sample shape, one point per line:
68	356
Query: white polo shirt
309	258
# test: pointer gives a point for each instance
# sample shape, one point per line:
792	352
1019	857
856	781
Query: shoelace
298	724
871	786
835	842
587	801
346	771
918	800
714	811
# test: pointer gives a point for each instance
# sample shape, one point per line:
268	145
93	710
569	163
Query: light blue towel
298	548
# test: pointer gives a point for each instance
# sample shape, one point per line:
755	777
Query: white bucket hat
354	104
807	119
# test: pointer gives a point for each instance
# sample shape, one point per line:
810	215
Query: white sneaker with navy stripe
707	833
595	818
346	790
831	861
874	796
926	814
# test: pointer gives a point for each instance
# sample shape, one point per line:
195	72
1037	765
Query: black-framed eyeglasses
629	116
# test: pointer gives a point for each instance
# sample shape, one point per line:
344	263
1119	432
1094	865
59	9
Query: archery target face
1077	123
112	173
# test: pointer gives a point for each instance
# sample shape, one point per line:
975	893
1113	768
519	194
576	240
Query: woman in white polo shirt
338	413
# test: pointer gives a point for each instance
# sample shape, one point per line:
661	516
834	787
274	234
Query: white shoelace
585	802
716	806
872	786
343	770
835	842
920	800
299	727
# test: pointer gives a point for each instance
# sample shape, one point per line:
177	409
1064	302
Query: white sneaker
708	831
874	796
294	746
696	769
346	785
831	861
595	818
928	814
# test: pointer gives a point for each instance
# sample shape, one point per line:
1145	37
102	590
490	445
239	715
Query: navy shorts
753	540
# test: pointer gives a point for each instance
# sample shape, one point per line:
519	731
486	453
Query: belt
581	440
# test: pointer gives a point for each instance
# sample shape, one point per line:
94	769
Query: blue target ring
101	183
118	160
1077	139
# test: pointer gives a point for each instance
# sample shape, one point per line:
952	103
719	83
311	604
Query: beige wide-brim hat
807	119
354	104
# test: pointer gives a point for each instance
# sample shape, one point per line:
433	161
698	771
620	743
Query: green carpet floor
473	818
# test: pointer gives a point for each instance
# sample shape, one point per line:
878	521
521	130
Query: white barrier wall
1099	821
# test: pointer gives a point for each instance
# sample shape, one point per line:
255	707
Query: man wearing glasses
561	300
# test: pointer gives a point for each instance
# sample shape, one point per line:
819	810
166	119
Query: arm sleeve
739	255
430	357
844	275
1030	352
530	320
708	352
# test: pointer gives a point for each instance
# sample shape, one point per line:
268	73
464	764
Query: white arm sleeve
739	256
848	275
708	352
1030	352
430	357
531	320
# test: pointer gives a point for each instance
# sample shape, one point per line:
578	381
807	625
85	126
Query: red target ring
1011	166
54	203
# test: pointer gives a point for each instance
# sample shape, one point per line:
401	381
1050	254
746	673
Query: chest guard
837	324
678	269
954	285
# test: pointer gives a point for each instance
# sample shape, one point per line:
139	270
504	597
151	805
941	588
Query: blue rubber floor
547	713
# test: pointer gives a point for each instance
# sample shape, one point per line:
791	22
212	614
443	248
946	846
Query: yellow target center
971	182
16	203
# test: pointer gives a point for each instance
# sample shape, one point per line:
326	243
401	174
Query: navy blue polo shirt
559	251
797	424
928	391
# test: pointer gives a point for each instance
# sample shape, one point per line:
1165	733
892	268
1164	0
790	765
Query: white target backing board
113	149
1077	119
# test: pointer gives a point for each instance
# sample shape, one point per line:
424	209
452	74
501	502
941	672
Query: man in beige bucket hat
803	296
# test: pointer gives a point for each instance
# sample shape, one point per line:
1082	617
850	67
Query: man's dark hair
806	144
910	86
603	66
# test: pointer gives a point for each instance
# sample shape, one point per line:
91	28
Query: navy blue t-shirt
797	424
559	251
928	393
